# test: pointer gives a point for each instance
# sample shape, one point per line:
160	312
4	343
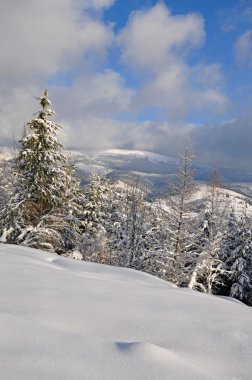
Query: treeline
193	238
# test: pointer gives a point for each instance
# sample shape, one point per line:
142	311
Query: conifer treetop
45	103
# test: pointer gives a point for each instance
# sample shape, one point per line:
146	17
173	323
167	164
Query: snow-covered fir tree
93	243
136	229
128	232
46	196
213	221
237	254
156	257
6	180
94	201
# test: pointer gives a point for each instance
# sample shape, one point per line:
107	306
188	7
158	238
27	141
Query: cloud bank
136	87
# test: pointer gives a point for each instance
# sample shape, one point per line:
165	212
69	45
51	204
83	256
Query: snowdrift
63	319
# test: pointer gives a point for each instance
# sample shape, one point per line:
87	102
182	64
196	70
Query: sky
136	74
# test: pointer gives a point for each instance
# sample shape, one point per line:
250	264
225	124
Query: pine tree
46	195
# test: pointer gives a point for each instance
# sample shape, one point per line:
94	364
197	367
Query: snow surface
63	319
227	198
153	157
93	168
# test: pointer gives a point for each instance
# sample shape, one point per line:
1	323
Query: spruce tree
93	243
46	194
209	268
238	255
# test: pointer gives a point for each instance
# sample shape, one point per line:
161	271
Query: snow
66	319
153	157
93	168
5	153
227	198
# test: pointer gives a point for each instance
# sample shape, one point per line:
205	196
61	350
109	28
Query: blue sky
224	22
138	74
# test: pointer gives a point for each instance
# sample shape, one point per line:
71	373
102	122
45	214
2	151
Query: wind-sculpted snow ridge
63	319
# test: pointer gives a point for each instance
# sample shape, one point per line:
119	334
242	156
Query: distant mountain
153	169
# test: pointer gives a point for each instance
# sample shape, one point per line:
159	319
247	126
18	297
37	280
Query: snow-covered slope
227	200
153	157
128	161
63	319
151	168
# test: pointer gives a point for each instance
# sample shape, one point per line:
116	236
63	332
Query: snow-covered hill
152	157
227	200
123	161
152	168
63	319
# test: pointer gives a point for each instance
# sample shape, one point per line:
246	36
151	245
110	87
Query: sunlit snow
155	157
63	319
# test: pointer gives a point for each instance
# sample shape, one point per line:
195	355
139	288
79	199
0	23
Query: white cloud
226	144
152	36
89	110
16	107
156	44
243	48
97	4
239	14
42	39
208	74
104	93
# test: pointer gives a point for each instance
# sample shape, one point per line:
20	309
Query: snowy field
63	319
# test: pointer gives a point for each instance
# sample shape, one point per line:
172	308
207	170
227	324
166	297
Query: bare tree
182	191
180	206
135	211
